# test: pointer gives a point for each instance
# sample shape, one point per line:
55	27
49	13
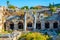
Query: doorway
12	26
47	25
55	24
20	25
38	25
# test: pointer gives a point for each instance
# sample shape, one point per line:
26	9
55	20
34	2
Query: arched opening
55	24
47	25
38	25
12	26
29	24
20	25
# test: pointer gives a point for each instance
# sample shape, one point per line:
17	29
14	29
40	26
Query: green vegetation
25	7
58	6
11	7
33	7
34	36
5	32
10	31
52	8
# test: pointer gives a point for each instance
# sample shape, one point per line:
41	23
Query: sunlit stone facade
30	20
2	19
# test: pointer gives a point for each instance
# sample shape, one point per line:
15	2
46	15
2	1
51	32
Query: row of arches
38	25
20	25
47	25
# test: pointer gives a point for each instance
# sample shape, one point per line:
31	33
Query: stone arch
55	24
20	25
11	25
47	25
38	25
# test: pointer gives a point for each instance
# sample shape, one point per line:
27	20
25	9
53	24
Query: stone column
51	25
7	26
42	25
15	26
25	24
34	22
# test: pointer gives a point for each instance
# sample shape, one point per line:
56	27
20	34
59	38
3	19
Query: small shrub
34	36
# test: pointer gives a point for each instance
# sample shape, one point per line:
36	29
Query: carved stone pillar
51	24
15	26
25	24
42	25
